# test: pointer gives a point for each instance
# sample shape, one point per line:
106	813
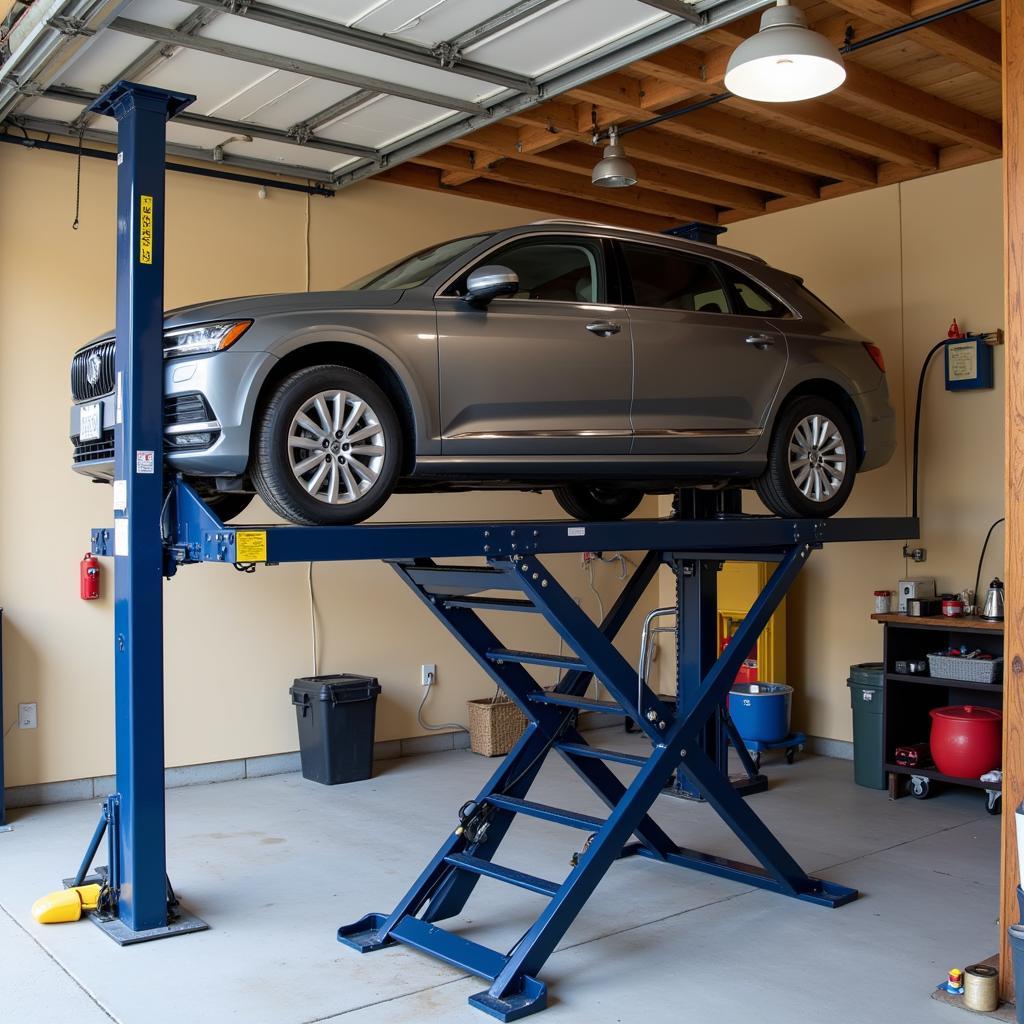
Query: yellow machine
739	584
66	905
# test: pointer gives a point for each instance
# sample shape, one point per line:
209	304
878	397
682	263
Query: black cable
981	561
917	422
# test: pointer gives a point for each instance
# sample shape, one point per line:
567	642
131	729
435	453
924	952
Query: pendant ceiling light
785	61
613	170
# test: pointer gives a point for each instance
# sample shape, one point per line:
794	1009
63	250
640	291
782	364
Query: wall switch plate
428	674
27	716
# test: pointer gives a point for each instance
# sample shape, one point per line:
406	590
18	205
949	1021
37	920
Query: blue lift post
164	525
138	905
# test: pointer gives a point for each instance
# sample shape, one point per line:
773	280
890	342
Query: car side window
667	279
751	298
550	269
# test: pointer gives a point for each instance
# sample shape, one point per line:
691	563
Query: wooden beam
885	93
830	122
552	115
882	92
684	155
623	94
958	37
580	159
790	150
525	198
568	183
1013	264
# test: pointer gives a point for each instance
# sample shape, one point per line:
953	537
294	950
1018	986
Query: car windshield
412	271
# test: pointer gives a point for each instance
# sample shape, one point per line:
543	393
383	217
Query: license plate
90	423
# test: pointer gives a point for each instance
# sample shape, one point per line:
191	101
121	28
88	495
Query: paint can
981	988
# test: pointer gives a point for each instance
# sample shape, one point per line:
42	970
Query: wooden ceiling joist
738	159
958	37
528	199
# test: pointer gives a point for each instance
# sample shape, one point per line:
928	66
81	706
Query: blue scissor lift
162	525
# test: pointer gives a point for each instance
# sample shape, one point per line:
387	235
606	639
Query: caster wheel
919	787
631	726
790	755
994	803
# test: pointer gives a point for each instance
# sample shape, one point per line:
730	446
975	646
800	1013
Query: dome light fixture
613	170
786	61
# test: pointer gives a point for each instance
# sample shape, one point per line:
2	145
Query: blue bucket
761	710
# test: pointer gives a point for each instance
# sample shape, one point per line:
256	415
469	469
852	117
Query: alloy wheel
336	447
817	457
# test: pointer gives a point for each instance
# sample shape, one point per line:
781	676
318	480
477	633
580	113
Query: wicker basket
495	723
969	670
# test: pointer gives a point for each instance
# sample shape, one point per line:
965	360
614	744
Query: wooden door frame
1013	240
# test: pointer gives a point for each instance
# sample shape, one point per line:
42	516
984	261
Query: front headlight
191	341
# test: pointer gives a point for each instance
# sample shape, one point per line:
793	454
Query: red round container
966	741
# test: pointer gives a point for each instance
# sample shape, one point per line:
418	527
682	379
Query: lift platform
507	574
161	526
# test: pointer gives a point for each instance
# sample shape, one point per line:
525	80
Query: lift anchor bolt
652	715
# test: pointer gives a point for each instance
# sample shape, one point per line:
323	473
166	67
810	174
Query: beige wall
234	642
898	264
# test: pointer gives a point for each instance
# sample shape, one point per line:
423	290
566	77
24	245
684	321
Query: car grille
81	389
187	408
93	451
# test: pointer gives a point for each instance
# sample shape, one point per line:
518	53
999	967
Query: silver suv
600	363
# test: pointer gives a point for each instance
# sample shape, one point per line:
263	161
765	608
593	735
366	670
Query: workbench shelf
936	776
908	698
959	684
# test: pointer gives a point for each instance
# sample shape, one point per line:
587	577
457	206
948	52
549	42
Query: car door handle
603	327
761	341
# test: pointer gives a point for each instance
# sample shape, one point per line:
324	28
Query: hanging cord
917	422
78	180
427	725
981	561
312	622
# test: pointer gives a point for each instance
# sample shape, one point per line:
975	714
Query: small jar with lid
883	600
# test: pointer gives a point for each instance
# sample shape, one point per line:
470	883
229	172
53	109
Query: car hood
254	306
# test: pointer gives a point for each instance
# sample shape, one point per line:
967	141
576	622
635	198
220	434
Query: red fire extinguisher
89	577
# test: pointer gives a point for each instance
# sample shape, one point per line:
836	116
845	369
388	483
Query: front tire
592	504
811	461
327	447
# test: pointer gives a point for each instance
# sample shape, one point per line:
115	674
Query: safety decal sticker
250	545
576	531
145	229
145	461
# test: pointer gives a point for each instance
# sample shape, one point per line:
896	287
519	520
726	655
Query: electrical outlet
26	716
428	674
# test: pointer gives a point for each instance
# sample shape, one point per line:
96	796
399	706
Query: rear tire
811	461
590	503
327	447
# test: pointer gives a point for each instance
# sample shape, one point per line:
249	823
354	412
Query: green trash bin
866	684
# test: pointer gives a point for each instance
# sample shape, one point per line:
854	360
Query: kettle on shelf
994	602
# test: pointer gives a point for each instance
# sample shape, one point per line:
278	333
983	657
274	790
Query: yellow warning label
250	545
145	229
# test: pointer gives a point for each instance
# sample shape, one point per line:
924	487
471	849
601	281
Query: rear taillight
876	354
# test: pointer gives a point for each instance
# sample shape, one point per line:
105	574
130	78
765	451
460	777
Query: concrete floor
276	864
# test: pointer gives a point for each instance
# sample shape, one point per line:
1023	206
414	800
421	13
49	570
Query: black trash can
336	715
866	684
1017	955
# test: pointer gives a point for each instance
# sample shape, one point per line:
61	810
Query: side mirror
486	283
